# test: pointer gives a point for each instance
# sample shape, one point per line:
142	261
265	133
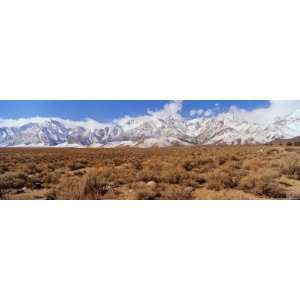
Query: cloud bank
172	109
86	123
275	110
196	112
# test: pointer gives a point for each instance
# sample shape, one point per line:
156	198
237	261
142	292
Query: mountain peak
145	131
295	115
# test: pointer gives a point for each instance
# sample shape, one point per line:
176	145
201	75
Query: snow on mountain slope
145	131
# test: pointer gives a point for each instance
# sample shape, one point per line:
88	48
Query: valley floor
204	172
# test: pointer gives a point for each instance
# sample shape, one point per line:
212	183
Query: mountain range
145	131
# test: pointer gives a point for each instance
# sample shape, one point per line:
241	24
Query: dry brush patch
206	172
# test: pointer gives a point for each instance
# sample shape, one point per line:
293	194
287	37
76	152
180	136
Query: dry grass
216	172
290	166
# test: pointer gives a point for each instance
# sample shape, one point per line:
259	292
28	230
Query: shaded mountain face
146	131
287	142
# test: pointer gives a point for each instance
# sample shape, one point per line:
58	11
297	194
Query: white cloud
20	122
173	109
277	109
195	112
208	113
86	123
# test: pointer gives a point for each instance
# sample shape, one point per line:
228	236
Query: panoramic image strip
150	150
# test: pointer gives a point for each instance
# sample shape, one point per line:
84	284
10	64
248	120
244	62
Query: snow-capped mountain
145	131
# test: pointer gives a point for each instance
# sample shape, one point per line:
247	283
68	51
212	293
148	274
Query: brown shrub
263	184
253	164
174	192
77	165
70	188
34	168
144	191
290	149
3	169
173	175
290	166
272	151
219	179
96	184
202	164
51	195
36	183
52	177
188	165
13	180
78	173
234	158
148	175
224	178
221	160
194	180
137	165
231	194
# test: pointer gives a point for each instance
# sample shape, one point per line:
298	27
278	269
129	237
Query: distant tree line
285	144
293	143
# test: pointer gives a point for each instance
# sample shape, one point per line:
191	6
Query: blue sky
106	111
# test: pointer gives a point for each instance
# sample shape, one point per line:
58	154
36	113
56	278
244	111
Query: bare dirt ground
212	172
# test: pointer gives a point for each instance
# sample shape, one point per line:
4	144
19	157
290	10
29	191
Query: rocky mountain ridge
145	131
